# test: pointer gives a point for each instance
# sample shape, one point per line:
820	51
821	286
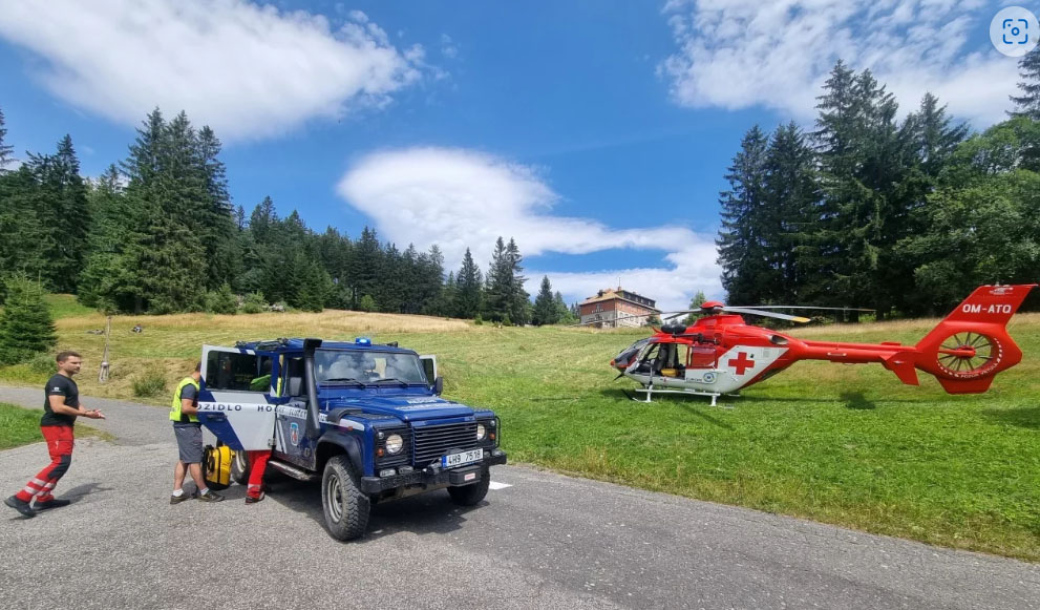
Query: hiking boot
178	499
52	503
20	506
209	496
252	500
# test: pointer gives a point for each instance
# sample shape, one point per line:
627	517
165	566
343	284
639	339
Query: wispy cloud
462	198
249	71
741	53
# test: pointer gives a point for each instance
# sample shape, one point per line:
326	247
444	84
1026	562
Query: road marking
497	485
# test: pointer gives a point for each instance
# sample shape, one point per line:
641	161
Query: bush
367	303
26	327
478	320
222	301
506	321
255	302
150	383
42	364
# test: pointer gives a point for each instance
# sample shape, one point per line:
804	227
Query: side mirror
438	386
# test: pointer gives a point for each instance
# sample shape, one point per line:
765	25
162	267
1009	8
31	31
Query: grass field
20	426
847	445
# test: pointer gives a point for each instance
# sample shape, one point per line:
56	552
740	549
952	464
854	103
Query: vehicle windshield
365	367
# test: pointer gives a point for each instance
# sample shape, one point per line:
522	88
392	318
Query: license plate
458	459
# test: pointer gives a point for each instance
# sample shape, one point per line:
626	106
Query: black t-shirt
59	385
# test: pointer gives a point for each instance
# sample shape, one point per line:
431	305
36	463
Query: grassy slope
847	445
20	426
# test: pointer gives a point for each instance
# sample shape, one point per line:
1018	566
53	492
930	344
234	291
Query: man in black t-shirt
61	407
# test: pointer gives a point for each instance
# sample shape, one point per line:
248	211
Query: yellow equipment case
216	464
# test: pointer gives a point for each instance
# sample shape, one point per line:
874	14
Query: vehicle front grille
431	442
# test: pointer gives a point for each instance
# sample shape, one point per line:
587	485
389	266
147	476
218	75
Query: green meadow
842	444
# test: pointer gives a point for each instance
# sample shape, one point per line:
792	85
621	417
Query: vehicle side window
231	371
292	385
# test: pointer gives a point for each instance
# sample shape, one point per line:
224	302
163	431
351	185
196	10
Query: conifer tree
6	151
519	300
26	327
1028	103
469	288
499	284
741	257
545	311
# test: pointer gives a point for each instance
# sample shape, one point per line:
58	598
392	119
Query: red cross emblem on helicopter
741	363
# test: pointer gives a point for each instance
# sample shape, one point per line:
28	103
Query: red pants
257	466
60	441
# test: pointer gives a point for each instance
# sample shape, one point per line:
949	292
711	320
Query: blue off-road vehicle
367	420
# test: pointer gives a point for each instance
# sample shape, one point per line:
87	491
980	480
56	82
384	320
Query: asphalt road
545	541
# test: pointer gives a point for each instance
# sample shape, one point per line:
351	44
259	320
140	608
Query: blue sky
594	132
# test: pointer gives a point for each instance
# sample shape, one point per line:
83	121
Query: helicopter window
671	360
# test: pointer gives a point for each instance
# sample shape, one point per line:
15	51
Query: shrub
42	364
222	301
255	302
367	303
506	321
478	320
150	383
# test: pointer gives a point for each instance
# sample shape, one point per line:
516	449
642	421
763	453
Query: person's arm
188	406
189	398
58	406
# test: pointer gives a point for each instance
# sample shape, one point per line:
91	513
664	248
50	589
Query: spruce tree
741	256
498	294
6	151
544	305
73	219
26	327
1028	103
468	288
788	218
519	301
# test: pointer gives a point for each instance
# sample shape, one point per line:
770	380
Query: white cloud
741	53
457	198
448	47
246	70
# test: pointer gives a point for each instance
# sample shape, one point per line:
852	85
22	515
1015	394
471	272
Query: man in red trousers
61	407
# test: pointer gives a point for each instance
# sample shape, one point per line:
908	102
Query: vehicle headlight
394	444
481	432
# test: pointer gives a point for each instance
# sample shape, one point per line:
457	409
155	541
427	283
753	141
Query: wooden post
103	373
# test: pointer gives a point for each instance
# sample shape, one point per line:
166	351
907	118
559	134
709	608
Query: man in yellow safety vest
188	430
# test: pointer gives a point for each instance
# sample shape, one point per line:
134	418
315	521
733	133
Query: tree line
903	216
157	233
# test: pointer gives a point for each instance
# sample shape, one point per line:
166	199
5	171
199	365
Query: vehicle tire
346	508
240	468
472	494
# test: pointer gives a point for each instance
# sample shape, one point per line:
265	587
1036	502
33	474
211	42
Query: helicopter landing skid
650	390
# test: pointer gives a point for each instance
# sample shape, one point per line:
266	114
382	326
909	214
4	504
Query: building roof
611	294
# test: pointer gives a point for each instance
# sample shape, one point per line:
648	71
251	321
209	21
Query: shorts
189	442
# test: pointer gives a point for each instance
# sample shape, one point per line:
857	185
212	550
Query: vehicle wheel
472	494
240	468
346	508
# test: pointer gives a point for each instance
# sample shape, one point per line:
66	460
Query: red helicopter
720	354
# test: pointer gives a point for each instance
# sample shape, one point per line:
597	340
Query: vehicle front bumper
433	475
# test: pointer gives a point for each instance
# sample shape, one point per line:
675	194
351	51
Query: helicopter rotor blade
766	314
800	307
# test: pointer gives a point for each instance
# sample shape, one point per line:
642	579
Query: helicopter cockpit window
647	359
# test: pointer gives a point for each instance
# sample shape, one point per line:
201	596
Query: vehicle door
291	442
232	404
